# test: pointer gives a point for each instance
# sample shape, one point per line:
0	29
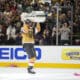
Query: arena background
57	44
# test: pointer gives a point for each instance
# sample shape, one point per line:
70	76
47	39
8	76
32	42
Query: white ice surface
41	74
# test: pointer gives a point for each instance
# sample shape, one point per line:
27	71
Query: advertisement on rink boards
50	55
71	54
16	53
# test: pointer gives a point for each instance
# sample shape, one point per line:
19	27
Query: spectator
63	18
18	39
69	17
65	34
53	36
2	35
10	11
47	36
11	34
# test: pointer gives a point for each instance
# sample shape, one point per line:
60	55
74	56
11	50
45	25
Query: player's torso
27	38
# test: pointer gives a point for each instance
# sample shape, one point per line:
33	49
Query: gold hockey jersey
27	34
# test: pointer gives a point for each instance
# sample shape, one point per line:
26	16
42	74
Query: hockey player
27	32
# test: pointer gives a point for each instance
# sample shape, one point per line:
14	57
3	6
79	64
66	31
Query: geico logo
16	53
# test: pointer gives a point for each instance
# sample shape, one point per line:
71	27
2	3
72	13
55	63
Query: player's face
30	24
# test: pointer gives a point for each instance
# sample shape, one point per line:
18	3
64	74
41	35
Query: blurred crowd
65	32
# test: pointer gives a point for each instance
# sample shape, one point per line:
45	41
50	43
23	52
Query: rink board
47	56
40	65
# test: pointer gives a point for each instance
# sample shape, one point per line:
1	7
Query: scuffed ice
41	74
